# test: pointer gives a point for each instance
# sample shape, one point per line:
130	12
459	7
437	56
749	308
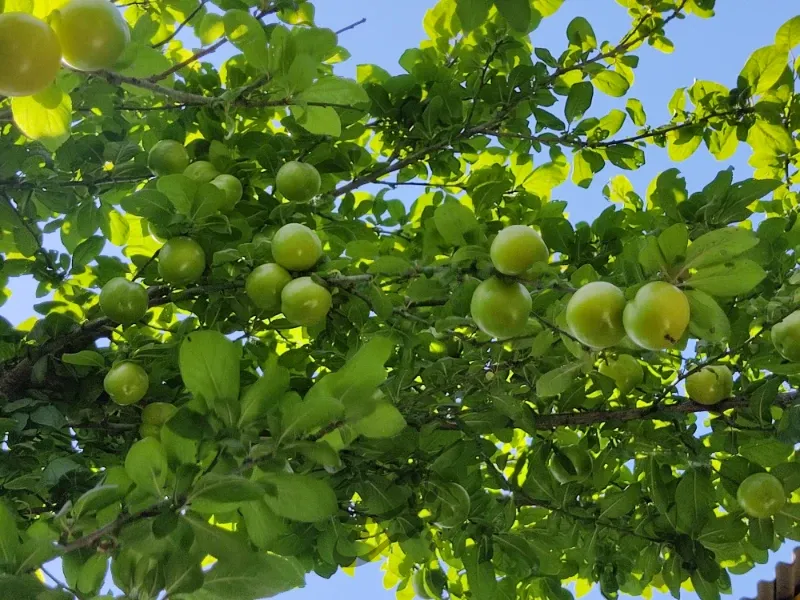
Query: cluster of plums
89	35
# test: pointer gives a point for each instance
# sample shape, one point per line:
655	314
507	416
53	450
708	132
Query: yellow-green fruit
710	385
594	314
232	188
148	430
30	54
298	182
265	284
761	495
786	337
625	370
93	34
296	247
168	157
657	316
304	302
516	248
123	301
126	383
158	413
181	261
201	171
571	463
501	309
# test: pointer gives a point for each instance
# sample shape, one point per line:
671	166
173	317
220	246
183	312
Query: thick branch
594	417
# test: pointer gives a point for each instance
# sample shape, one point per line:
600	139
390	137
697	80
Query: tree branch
183	24
351	26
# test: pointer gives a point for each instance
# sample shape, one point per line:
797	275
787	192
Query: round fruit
296	247
761	495
168	157
625	370
710	385
516	249
93	34
201	171
158	413
265	284
232	188
452	506
30	55
594	314
181	261
501	309
148	430
304	302
298	182
657	316
126	383
786	337
571	463
123	301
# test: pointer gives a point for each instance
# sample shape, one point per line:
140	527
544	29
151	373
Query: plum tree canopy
208	434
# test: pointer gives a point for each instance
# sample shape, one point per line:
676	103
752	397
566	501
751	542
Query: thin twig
351	26
183	24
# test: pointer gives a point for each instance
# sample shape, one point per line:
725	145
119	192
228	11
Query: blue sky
714	49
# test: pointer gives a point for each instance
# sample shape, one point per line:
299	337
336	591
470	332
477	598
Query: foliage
393	430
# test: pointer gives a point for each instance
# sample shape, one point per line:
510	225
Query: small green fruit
168	157
594	314
305	302
181	261
657	316
201	171
710	385
501	309
296	247
265	284
123	301
786	337
298	182
126	383
761	495
516	248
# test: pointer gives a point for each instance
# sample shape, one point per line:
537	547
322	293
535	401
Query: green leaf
762	398
472	13
763	69
84	358
247	34
256	576
209	364
719	246
557	381
229	489
180	190
182	573
611	83
45	117
390	265
146	465
380	496
335	90
9	538
264	527
581	34
383	422
766	452
87	251
733	278
481	575
708	321
578	101
673	241
722	530
216	541
299	497
302	416
585	165
682	143
706	590
788	35
636	112
694	499
95	499
210	28
770	138
516	12
318	120
261	397
453	220
28	587
618	504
